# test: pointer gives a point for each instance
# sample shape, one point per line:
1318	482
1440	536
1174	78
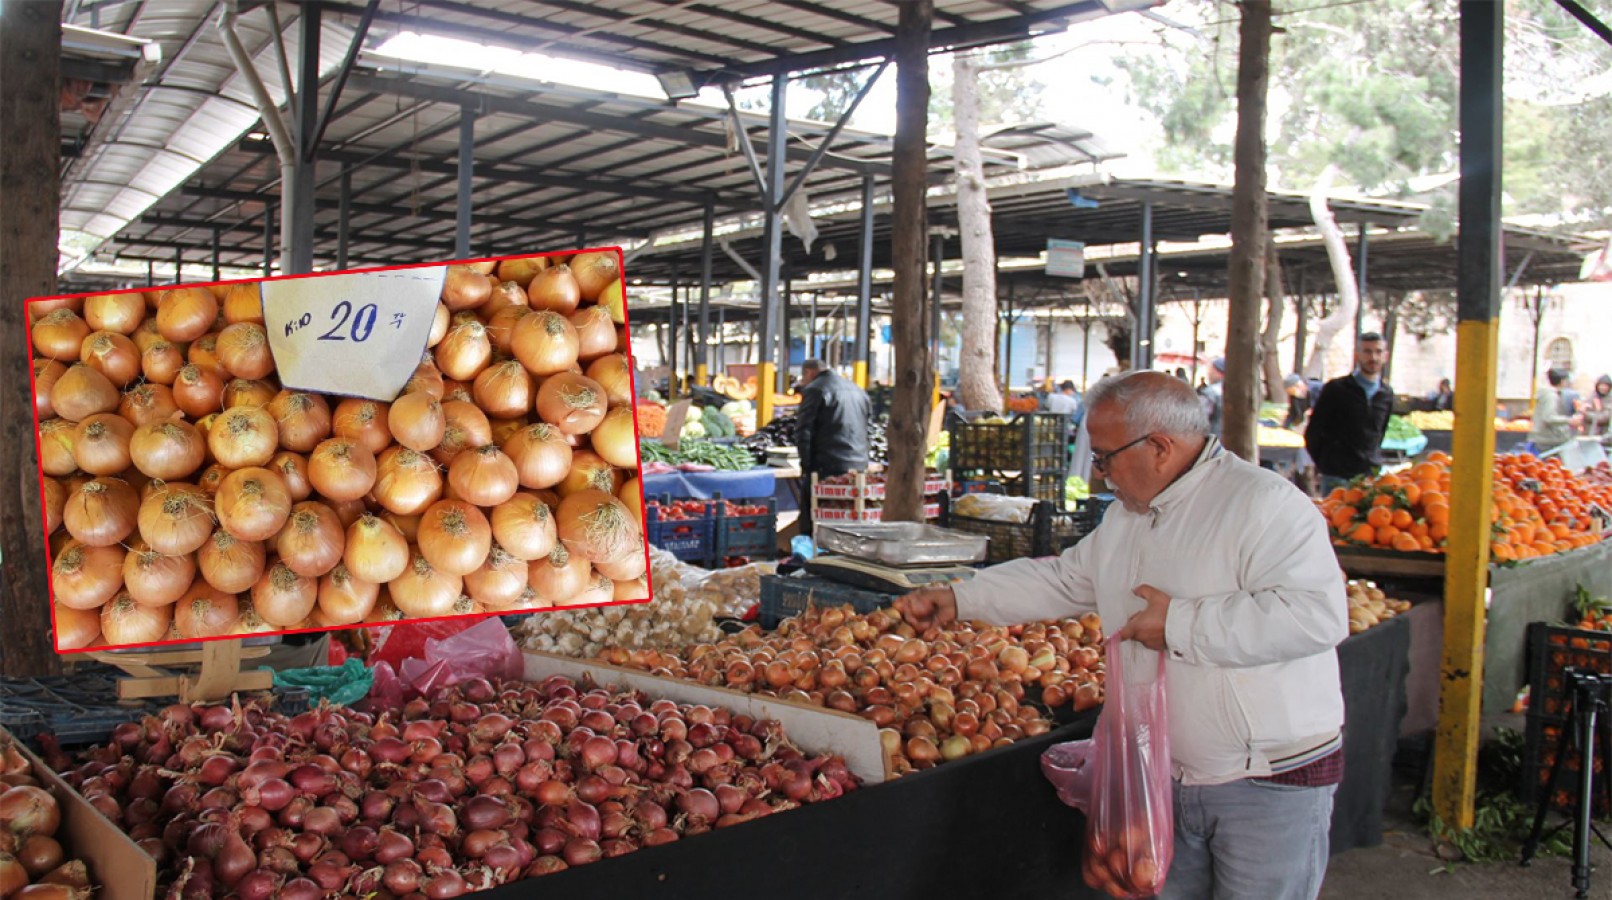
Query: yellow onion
596	334
175	518
615	438
341	469
243	303
156	579
229	564
102	512
524	526
147	403
465	427
406	481
541	455
101	444
199	390
363	421
439	326
454	537
121	313
76	629
344	599
631	564
501	328
292	467
558	577
59	335
311	541
423	591
46	372
57	439
504	390
521	269
185	314
160	363
113	355
614	300
572	403
596	526
594	271
506	295
168	450
147	334
416	421
243	348
465	288
243	436
125	622
465	351
252	504
85	577
545	342
375	550
82	392
554	289
613	372
55	497
589	471
483	476
303	419
500	581
282	597
245	392
203	352
631	493
205	612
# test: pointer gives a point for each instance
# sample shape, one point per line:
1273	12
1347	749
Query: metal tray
900	543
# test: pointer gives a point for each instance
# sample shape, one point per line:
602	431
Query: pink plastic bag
1121	780
484	649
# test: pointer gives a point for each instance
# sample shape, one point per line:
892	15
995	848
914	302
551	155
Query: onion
439	326
541	455
121	313
465	427
363	421
185	314
282	597
454	537
465	352
229	564
243	303
243	348
147	334
554	289
203	353
589	471
46	373
303	419
559	576
246	392
101	444
375	550
422	591
521	269
26	810
483	476
505	295
252	504
154	579
596	334
82	392
630	565
464	288
500	581
631	591
161	362
595	590
616	438
505	389
501	328
167	450
203	612
144	404
312	539
293	469
596	526
631	493
242	437
84	577
198	390
344	599
60	335
416	421
545	343
101	512
113	355
594	272
572	403
524	526
76	628
57	440
342	469
124	622
613	372
406	481
55	498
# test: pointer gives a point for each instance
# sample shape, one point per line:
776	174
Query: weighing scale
878	576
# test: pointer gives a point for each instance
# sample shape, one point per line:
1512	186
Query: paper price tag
356	334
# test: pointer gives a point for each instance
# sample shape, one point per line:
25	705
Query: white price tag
357	334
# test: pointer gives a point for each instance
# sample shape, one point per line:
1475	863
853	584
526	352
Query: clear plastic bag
1120	779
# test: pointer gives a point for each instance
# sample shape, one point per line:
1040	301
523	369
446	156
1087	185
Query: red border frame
621	264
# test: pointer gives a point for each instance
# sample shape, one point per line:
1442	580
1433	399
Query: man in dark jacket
1350	417
831	429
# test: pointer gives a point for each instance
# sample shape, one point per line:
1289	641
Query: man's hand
931	607
1147	626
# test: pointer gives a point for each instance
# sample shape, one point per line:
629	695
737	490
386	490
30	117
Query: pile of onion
33	862
936	697
254	507
470	787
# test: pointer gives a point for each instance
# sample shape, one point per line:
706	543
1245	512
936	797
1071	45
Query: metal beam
1146	300
1363	247
393	213
344	217
1577	11
772	242
268	239
311	141
702	348
744	144
467	176
216	235
834	132
515	106
864	286
303	205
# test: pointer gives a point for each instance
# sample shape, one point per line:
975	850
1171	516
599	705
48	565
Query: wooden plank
168	657
220	664
1362	562
118	868
812	728
676	414
30	119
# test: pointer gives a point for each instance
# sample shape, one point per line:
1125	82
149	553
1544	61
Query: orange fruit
1405	543
1363	534
1420	529
1385	535
1383	500
1342	516
1413	492
1402	519
1353	495
1437	513
1380	517
1438	531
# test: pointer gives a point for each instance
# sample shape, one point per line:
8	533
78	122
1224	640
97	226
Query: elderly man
831	429
1226	569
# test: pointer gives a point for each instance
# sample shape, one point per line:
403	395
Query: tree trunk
909	323
1248	234
976	380
30	118
1342	273
1275	305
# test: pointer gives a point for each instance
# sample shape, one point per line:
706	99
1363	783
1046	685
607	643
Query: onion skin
252	504
185	314
416	421
455	537
573	403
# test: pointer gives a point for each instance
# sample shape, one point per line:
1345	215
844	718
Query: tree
976	378
1247	276
1008	90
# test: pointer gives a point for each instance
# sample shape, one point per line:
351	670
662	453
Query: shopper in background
1066	402
1598	408
1298	401
1212	395
1552	426
1247	619
1572	402
1444	397
1350	417
831	429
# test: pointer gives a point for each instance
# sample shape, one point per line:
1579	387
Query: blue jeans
1249	840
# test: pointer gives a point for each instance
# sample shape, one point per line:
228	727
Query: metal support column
268	239
811	329
299	255
1146	299
217	272
1361	251
722	339
671	346
1478	281
772	243
936	253
344	218
702	347
864	288
179	265
151	273
467	174
785	354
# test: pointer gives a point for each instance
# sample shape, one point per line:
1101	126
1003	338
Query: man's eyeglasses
1100	461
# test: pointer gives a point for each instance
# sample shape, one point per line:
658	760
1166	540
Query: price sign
357	334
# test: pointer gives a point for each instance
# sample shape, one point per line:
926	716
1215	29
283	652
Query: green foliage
1500	821
1009	92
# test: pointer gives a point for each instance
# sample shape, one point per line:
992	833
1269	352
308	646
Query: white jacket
1259	604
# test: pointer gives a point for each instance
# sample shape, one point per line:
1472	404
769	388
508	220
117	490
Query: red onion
346	808
376	806
360	842
476	842
730	798
593	789
437	818
422	729
492	727
552	793
583	819
659	836
357	762
485	812
311	779
434	858
599	721
545	731
546	865
614	824
498	787
389	750
273	794
531	775
700	805
306	846
549	840
464	713
294	812
650	815
206	840
200	885
141	812
504	859
507	758
392	846
259	884
301	889
433	790
261	771
580	852
477	689
401	876
478	770
322	820
444	885
617	847
279	859
216	718
598	751
330	875
234	860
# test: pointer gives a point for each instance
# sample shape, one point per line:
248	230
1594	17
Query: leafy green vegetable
728	459
1400	429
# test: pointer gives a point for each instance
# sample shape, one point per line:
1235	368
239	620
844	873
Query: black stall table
987	827
1373	665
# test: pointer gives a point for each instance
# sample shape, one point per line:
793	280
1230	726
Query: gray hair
813	365
1152	403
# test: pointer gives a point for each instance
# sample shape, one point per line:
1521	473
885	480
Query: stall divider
814	729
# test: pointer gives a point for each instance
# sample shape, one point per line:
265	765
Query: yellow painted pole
859	374
1478	286
766	375
934	393
701	375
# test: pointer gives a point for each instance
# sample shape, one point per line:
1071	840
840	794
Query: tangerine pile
1539	508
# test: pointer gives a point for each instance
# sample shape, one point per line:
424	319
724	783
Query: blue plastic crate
783	596
690	540
752	536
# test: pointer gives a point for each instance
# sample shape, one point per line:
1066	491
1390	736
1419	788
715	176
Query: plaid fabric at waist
1319	773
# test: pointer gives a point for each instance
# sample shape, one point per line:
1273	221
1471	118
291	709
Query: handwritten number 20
363	323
